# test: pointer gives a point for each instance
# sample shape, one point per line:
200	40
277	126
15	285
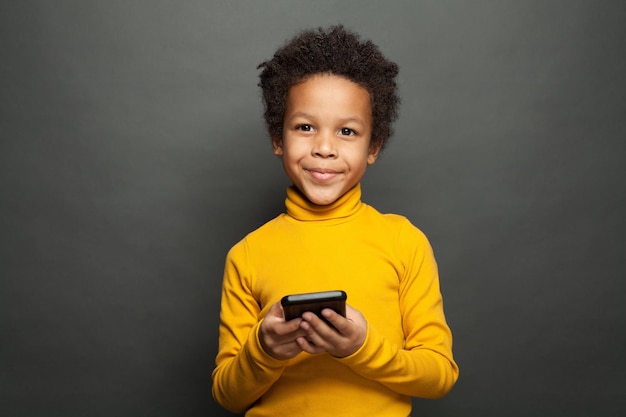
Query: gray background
133	155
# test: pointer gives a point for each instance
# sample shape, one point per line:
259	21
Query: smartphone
296	304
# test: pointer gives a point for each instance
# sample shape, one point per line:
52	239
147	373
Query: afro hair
333	51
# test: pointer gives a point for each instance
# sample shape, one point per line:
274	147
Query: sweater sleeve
424	366
244	371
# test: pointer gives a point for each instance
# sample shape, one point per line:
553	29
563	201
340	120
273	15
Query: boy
329	102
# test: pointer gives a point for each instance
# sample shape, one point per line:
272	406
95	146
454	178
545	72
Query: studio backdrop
133	155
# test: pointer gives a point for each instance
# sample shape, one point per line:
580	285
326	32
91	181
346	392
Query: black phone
296	304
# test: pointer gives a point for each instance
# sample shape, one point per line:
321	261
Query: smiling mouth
322	175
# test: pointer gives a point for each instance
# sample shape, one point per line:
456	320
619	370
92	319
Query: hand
345	338
277	336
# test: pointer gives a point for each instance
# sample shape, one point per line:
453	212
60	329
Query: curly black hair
335	51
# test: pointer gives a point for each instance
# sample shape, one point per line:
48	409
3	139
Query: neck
300	208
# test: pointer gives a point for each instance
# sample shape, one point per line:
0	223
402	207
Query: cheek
294	149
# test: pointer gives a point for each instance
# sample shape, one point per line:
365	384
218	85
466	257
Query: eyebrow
342	120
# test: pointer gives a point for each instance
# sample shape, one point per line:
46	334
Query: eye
347	131
304	127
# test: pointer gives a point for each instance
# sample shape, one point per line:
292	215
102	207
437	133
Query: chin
322	200
323	196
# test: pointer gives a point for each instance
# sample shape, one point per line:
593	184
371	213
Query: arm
423	367
244	371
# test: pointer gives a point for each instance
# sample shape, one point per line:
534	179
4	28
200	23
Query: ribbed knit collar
300	208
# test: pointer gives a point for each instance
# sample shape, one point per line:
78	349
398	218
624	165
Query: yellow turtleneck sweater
387	268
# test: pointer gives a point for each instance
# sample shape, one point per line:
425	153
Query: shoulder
396	222
405	238
266	231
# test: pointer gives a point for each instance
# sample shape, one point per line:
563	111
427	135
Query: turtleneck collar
300	208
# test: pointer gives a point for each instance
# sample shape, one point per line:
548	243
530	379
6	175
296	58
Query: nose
324	145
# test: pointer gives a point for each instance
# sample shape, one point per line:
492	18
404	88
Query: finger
278	338
275	331
276	320
285	333
339	322
311	320
353	314
354	318
286	328
291	348
307	346
318	332
276	310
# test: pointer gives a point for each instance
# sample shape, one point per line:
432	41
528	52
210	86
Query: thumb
276	310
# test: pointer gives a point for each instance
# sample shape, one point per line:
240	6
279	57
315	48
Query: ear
373	154
277	145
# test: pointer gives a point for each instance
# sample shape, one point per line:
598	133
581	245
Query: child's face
326	137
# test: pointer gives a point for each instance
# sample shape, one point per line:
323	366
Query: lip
321	174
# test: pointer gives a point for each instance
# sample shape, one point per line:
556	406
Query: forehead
329	94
